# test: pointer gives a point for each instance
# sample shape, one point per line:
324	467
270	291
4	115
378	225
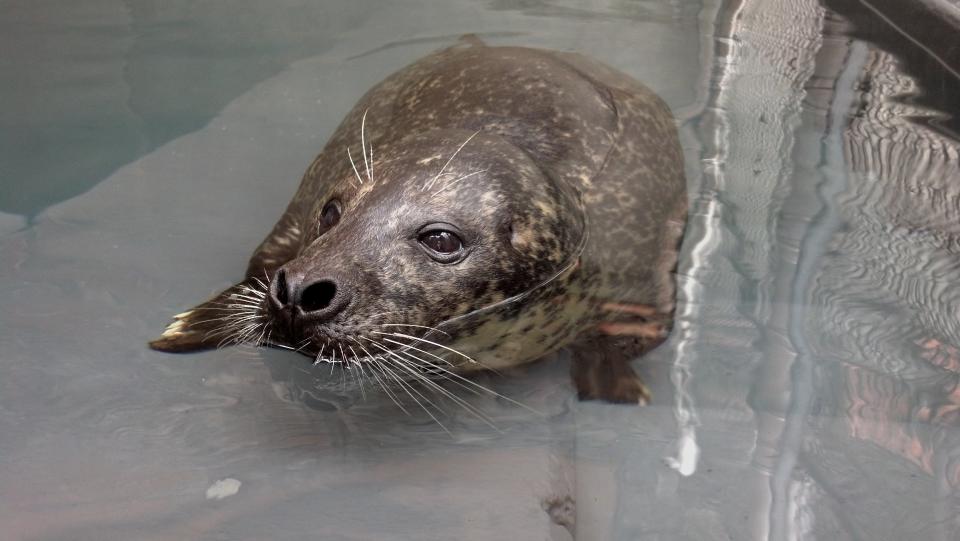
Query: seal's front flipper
601	371
232	317
236	315
640	321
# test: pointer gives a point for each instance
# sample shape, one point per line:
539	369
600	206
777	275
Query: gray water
808	391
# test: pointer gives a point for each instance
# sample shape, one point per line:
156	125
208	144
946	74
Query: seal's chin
321	343
334	344
394	351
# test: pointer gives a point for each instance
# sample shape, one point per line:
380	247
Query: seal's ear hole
521	238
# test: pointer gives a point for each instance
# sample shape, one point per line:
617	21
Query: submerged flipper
601	371
234	315
601	363
231	317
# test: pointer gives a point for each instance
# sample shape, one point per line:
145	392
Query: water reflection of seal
478	209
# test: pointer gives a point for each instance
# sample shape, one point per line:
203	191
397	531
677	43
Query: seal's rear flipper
232	317
601	371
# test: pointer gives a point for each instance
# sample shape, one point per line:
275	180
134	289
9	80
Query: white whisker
303	343
471	385
385	385
239	304
231	318
408	346
410	390
410	325
363	144
263	333
255	299
450	184
418	376
374	362
407	336
356	362
429	184
319	355
238	337
354	165
443	392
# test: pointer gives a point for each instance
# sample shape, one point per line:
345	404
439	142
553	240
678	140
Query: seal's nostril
318	296
280	288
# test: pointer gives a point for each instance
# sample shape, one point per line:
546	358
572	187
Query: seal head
447	223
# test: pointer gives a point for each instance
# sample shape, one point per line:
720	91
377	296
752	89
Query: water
809	390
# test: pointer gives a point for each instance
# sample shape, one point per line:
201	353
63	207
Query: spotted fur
563	176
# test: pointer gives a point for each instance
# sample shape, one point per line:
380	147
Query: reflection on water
815	362
883	315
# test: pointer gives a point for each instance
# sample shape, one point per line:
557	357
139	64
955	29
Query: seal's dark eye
443	242
330	214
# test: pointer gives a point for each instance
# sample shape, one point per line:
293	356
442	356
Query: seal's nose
280	291
318	296
319	300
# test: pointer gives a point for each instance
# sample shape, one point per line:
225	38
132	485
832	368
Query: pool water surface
809	389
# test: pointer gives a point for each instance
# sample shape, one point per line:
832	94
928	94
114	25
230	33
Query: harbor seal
478	209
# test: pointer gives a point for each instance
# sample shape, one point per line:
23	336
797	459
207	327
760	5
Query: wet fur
565	177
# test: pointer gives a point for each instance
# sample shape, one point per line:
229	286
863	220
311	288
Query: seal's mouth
249	317
402	359
400	350
410	346
385	356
